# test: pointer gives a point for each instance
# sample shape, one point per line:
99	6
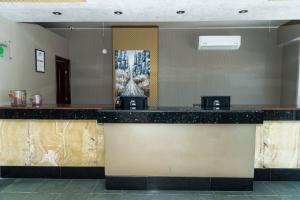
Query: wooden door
63	94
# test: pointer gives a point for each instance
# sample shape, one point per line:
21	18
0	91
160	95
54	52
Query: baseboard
178	183
260	174
52	172
276	174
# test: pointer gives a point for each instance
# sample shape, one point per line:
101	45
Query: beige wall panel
46	143
280	144
139	38
80	142
14	142
179	150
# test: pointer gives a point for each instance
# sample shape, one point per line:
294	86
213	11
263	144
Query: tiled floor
53	189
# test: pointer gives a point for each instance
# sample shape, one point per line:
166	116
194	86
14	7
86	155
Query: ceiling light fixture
243	11
118	12
56	13
180	12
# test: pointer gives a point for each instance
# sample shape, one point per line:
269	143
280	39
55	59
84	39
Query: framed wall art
40	61
135	62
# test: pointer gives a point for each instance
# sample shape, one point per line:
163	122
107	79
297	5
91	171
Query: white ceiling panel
152	10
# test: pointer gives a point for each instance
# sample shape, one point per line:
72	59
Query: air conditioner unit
220	42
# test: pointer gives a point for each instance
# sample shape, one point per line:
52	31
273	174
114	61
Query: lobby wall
19	72
288	38
290	74
251	75
91	71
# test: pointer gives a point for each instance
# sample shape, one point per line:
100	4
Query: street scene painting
132	73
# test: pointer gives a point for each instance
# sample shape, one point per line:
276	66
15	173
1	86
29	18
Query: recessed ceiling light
118	12
56	13
180	12
243	11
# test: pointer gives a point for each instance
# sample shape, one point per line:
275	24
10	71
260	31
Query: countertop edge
181	115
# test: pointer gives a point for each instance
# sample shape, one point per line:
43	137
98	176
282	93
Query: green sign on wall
1	52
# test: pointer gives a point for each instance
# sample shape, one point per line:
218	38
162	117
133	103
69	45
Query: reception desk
154	148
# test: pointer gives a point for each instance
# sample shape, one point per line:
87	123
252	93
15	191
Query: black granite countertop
181	115
243	114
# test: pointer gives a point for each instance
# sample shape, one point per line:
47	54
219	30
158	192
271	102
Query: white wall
19	73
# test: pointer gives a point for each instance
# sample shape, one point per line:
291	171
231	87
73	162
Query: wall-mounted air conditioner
219	42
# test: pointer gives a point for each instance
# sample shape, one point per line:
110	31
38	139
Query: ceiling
152	11
169	25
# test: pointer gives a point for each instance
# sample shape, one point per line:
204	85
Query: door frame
58	58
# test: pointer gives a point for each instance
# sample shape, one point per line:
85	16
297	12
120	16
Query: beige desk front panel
181	150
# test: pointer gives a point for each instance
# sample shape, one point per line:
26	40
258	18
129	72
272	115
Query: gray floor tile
178	192
5	182
81	186
283	188
264	197
73	196
23	185
230	197
55	189
206	197
289	197
104	196
161	196
137	196
233	193
296	184
100	188
100	185
175	196
53	186
139	192
12	196
260	188
41	196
